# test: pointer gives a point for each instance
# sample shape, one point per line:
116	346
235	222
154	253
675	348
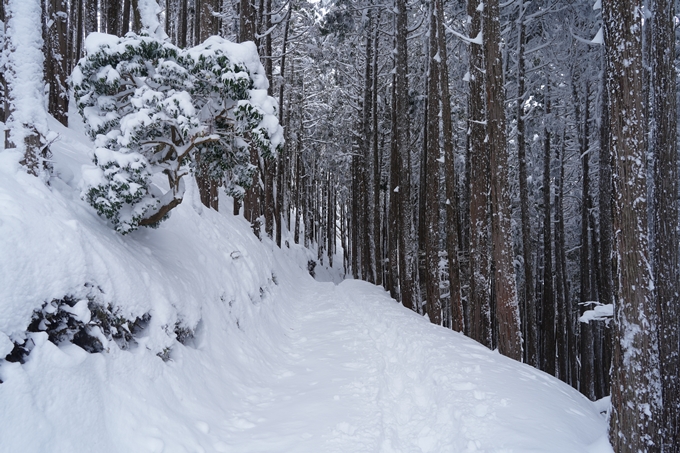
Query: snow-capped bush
154	108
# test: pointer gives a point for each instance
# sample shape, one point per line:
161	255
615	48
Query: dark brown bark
451	206
394	214
587	374
480	248
563	338
364	163
548	357
406	254
113	17
56	60
376	237
636	395
283	165
531	341
208	187
431	188
505	287
666	253
125	25
183	23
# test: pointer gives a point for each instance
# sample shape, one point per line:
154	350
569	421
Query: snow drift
241	350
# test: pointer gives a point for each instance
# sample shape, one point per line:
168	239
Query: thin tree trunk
376	237
666	253
529	295
562	338
548	358
587	376
283	166
394	232
431	196
452	224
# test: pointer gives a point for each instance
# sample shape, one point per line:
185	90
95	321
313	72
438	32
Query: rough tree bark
56	61
480	265
531	341
505	286
431	188
548	357
636	384
666	267
452	224
406	254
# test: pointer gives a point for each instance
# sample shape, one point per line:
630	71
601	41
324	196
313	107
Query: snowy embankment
270	360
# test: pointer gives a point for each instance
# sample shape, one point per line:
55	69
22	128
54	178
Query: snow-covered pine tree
152	108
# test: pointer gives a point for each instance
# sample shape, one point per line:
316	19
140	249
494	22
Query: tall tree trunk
452	224
531	341
666	266
636	385
505	286
375	165
125	25
90	16
563	340
269	164
364	214
394	232
548	358
283	165
431	196
406	254
251	199
56	61
183	23
480	249
587	376
606	282
208	187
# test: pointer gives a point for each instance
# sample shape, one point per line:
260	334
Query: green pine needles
153	109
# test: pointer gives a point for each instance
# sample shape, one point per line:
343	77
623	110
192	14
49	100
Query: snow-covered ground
279	362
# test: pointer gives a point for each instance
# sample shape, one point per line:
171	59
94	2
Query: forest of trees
508	169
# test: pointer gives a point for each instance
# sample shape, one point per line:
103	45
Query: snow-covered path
362	374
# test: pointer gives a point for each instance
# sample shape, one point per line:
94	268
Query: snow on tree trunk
57	58
431	188
452	223
505	286
23	59
636	383
480	250
406	237
548	357
531	340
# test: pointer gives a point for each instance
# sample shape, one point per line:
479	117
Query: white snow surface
280	362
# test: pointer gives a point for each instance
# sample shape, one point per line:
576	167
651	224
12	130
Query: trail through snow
363	374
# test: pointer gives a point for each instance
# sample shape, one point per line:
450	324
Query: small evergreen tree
152	108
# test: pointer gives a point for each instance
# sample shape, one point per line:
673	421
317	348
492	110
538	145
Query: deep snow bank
277	362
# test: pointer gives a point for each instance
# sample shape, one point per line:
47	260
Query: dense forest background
509	170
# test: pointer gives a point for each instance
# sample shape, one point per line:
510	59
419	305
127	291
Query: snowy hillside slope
270	360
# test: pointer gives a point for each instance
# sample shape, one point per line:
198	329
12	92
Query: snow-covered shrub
153	108
83	322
